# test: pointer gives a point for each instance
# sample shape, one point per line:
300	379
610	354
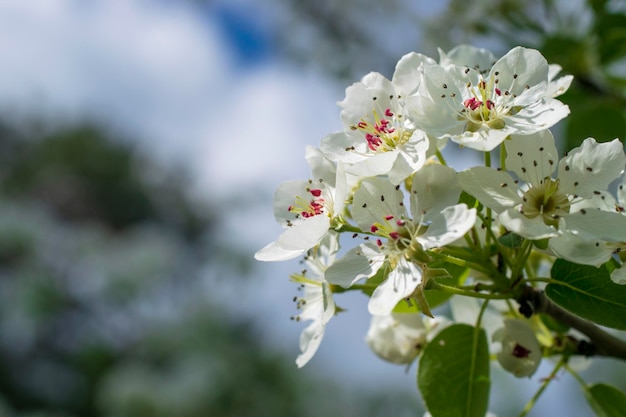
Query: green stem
577	377
488	222
468	293
464	263
502	157
440	157
520	260
479	320
542	388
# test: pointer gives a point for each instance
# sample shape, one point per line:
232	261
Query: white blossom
306	209
480	107
541	206
401	241
521	352
400	337
379	138
316	302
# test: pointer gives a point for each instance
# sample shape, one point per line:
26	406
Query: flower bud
400	337
521	353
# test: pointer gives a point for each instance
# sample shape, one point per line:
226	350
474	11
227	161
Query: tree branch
602	343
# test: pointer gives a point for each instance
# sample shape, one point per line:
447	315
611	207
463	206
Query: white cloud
148	69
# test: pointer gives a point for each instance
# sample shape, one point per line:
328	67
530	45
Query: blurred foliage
104	309
587	38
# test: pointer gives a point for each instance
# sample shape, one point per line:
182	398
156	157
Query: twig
601	342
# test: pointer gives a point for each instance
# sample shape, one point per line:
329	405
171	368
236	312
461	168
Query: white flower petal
618	276
532	157
375	199
494	189
273	252
410	158
602	200
295	240
521	352
558	86
484	139
360	102
400	283
360	262
322	168
574	249
434	188
595	224
537	116
310	340
468	56
621	192
519	68
397	338
591	166
372	166
430	111
334	147
285	196
529	228
451	224
408	73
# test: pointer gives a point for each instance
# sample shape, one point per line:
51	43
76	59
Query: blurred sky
197	86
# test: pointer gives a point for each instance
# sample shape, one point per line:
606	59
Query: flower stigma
547	201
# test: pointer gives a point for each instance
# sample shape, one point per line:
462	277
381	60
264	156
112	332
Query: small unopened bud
400	337
521	353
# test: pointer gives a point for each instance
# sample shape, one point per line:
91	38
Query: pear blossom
379	138
479	59
482	60
521	352
316	302
480	107
557	86
541	206
400	337
306	209
400	242
598	246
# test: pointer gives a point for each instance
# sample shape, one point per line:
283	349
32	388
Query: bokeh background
141	142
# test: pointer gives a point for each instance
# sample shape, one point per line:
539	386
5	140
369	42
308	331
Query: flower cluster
418	231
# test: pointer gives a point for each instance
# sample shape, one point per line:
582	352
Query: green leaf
589	293
511	240
597	118
453	374
606	401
